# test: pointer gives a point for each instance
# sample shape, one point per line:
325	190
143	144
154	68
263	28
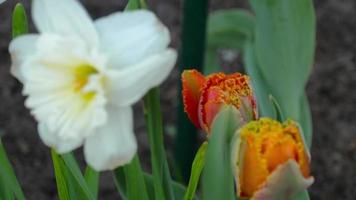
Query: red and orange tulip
271	160
205	95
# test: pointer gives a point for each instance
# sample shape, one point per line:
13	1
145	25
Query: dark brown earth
331	91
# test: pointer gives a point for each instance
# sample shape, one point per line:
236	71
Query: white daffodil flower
82	77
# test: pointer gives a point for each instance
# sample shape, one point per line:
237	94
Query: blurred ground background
331	91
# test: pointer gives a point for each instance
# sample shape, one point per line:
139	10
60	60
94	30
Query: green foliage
121	184
160	170
9	186
279	116
226	29
218	180
135	181
92	178
197	168
71	183
19	21
284	45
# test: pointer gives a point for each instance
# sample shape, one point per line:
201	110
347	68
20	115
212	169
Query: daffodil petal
65	18
114	144
128	37
52	140
129	85
284	183
20	48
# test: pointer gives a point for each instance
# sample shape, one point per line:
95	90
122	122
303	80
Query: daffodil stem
160	169
191	56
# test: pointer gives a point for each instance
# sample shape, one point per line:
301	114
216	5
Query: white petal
129	37
2	1
114	144
20	49
284	183
66	18
52	140
127	86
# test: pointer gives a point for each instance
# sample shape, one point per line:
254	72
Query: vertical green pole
191	56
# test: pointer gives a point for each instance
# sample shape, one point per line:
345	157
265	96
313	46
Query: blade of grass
160	170
191	56
197	168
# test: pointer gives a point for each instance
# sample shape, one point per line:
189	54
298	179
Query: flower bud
271	160
204	96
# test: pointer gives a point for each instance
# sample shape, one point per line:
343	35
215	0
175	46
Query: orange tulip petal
192	82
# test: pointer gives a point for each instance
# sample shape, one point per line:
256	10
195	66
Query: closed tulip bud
204	96
271	160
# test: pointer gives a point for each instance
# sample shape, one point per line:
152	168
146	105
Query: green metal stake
191	56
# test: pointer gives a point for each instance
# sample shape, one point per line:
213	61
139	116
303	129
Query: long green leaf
306	120
135	181
258	82
135	4
217	176
19	21
197	168
277	108
60	173
303	196
284	44
73	168
11	185
191	56
160	170
92	178
119	177
227	29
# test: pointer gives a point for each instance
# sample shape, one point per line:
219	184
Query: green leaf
258	82
5	192
60	173
73	168
135	181
226	29
217	176
11	185
303	196
119	177
277	109
135	4
19	21
306	120
284	44
197	168
160	170
92	178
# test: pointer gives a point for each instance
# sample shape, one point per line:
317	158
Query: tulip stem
160	169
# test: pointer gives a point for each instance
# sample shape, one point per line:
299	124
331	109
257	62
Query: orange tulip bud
204	96
272	160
